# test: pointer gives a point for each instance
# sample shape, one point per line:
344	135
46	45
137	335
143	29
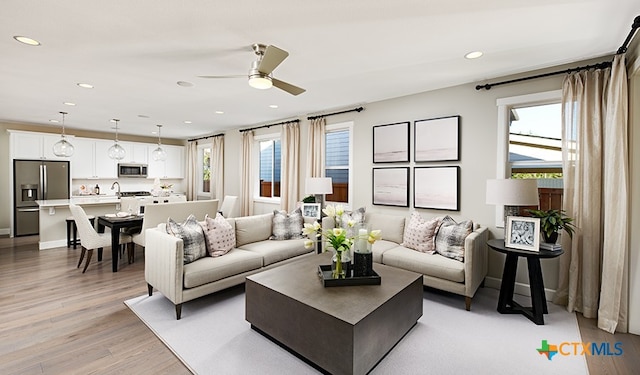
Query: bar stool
71	227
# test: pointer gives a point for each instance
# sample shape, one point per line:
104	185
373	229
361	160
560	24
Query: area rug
213	338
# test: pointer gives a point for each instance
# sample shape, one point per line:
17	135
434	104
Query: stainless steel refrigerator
36	180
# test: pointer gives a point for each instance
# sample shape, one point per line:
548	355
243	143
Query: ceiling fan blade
228	76
273	56
291	89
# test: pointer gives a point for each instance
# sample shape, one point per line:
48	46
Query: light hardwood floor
56	320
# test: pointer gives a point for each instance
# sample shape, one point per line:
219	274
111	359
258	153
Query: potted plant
551	222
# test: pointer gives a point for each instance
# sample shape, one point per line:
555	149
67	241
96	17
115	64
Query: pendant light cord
63	114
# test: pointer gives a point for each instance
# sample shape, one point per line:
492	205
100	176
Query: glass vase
341	264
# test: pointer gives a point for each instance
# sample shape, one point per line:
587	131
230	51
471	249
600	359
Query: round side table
506	304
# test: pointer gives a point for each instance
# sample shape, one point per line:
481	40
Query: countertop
89	200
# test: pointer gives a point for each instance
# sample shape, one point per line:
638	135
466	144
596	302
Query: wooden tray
325	274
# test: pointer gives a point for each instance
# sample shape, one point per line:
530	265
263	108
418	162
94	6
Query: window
204	169
338	161
269	167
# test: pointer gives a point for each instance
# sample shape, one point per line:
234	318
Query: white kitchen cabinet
91	159
172	167
31	145
136	153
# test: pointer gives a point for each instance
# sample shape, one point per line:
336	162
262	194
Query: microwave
132	170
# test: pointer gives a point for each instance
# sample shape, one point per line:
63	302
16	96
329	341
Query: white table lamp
318	186
512	193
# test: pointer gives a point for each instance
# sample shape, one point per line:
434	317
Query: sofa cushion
276	251
192	236
420	234
450	238
357	216
208	269
427	264
287	226
392	226
380	247
253	228
220	236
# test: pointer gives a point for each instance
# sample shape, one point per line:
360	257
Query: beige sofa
254	251
437	271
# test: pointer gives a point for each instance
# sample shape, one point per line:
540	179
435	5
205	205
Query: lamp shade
512	192
318	185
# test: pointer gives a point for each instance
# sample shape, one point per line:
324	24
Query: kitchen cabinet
91	159
31	145
136	153
171	167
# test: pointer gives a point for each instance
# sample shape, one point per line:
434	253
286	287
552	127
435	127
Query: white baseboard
51	244
4	231
520	288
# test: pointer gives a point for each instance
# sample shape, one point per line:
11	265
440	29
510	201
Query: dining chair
90	239
227	209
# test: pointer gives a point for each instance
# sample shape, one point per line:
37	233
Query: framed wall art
437	139
437	188
310	210
391	143
391	186
523	233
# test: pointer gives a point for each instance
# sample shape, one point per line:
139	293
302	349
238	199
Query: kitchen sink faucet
114	184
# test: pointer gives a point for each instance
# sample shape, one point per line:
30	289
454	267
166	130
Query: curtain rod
359	109
268	126
601	65
208	136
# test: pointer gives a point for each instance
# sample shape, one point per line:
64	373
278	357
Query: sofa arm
164	263
475	260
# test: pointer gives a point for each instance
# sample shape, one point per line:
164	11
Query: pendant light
63	147
159	154
116	151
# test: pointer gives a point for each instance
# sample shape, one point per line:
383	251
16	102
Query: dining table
116	223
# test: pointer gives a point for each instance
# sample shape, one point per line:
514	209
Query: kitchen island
54	213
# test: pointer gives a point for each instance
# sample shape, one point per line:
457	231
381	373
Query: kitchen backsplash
126	184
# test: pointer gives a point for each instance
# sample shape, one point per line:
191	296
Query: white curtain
315	148
290	154
592	275
217	168
246	187
192	171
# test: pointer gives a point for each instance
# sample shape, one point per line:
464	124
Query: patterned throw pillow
357	216
192	237
219	235
420	234
287	226
451	236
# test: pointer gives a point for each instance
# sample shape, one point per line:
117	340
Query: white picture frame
523	233
437	139
311	210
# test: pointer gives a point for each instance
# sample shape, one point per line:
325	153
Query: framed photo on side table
310	210
523	233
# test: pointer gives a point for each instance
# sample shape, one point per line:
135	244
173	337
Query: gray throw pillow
192	236
451	236
287	226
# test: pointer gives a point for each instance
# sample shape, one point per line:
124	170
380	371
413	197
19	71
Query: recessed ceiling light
273	106
473	55
52	120
85	85
26	40
219	112
184	84
187	122
69	103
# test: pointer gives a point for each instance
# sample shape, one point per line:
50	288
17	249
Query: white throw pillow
219	234
420	234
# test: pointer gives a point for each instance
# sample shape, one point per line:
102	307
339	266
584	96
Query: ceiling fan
260	77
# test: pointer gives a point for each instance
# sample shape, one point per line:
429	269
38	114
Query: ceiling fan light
259	82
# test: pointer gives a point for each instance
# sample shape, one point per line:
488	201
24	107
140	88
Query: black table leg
508	283
538	301
100	230
115	247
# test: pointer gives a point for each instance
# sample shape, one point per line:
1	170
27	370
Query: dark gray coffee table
342	330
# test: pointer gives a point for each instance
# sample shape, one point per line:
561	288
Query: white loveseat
254	251
437	271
